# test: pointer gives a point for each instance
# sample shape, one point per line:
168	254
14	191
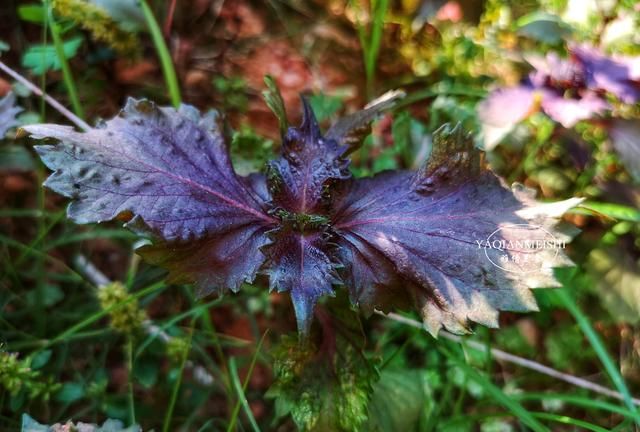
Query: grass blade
168	70
581	401
240	389
130	395
569	421
66	70
370	40
615	211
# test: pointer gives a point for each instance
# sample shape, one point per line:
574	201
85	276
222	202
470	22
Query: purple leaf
502	110
568	112
167	173
309	161
507	106
570	90
422	229
609	74
552	71
300	262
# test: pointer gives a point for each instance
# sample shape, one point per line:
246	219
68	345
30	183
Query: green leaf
34	13
42	58
249	151
40	359
127	13
495	392
566	348
324	106
400	399
16	158
146	372
70	392
52	294
274	101
17	400
543	27
615	211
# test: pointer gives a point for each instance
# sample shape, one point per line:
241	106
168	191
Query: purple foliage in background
566	89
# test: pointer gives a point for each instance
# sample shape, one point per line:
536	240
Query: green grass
495	392
67	75
371	38
168	70
600	349
242	388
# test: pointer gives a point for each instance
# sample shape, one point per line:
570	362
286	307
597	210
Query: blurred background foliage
88	332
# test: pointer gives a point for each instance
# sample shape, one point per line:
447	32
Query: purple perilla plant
392	240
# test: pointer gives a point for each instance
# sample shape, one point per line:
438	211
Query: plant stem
66	70
176	387
168	70
132	404
51	101
40	199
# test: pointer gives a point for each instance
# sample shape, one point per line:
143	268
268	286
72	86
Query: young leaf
299	264
298	178
273	99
